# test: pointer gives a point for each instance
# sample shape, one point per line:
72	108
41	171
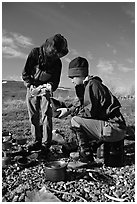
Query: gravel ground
18	183
78	187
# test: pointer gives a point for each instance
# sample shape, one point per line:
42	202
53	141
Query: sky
102	32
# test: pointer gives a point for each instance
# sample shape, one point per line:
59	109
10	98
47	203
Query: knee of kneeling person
75	122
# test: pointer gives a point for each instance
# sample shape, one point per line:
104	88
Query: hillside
17	91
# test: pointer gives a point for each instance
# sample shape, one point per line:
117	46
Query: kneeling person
97	108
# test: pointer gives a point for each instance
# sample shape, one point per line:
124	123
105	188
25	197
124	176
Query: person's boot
45	150
85	151
37	144
35	147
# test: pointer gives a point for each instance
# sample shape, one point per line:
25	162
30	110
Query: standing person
41	76
97	109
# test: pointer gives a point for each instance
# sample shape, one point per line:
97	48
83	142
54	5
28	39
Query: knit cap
78	67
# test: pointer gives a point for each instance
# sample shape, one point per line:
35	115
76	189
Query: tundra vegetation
17	183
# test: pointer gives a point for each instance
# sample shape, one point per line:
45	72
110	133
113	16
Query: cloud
89	55
74	52
14	77
129	10
9	52
105	66
114	51
13	43
108	45
124	69
61	4
21	40
67	59
121	90
130	60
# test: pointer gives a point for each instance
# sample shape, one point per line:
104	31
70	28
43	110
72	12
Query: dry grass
14	104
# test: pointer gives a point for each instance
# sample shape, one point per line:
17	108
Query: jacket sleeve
55	77
30	63
75	108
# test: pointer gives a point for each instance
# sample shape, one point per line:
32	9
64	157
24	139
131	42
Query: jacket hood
91	78
59	42
96	78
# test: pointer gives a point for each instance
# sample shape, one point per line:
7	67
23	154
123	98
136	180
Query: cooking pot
23	161
26	161
56	170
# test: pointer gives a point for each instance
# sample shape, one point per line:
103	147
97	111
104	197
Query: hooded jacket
39	69
97	102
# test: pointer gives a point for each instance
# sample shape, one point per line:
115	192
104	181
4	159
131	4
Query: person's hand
32	88
64	112
48	87
34	91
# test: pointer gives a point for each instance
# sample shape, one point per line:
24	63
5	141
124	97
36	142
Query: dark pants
40	116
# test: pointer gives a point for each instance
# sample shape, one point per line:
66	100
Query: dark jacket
39	69
97	102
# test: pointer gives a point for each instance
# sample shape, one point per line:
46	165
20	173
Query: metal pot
56	170
23	161
26	161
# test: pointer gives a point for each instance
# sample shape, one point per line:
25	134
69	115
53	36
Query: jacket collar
88	78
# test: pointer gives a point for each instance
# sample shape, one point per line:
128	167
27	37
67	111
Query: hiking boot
85	151
35	147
